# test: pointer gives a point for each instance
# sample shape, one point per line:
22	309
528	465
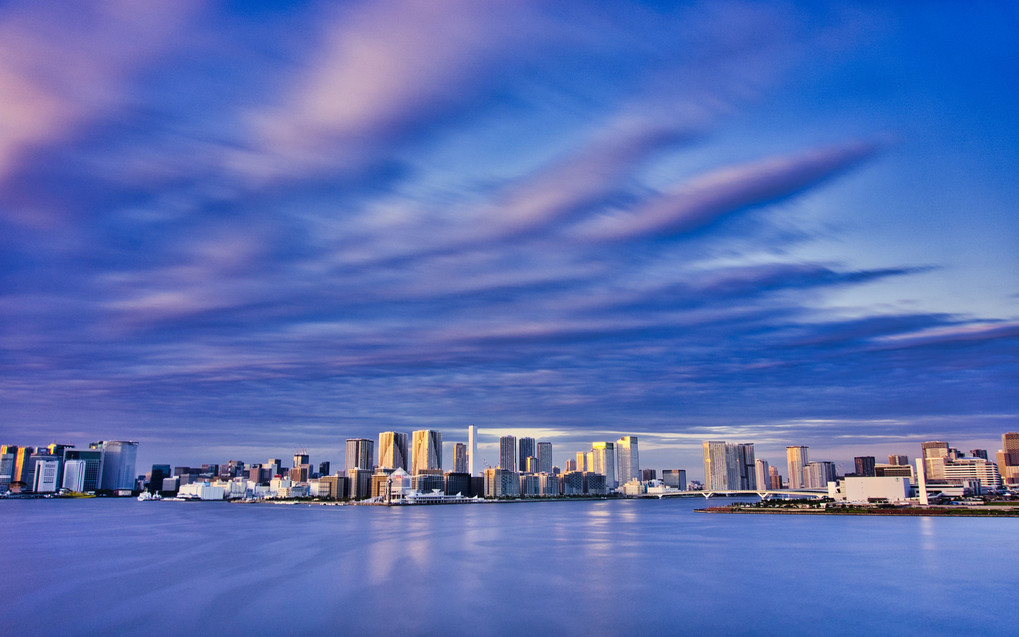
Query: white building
202	491
865	489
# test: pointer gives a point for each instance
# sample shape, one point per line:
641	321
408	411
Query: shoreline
900	512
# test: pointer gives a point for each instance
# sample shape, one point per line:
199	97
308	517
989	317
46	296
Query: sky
235	230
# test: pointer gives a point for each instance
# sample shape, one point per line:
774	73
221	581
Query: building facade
796	458
393	450
427	451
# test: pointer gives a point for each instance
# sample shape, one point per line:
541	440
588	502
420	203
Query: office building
572	483
460	458
47	470
817	475
525	450
796	458
508	453
501	483
979	453
360	454
646	475
393	450
472	443
729	467
934	454
774	479
627	459
675	478
545	457
7	460
530	465
117	472
89	471
360	482
427	451
1008	458
603	461
898	460
746	464
571	465
865	466
965	470
457	482
582	461
323	468
761	475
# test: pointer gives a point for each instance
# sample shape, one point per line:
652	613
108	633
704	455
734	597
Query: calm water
562	568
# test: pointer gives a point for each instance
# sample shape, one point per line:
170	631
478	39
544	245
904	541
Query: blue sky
229	230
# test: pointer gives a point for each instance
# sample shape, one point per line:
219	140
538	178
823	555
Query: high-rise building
47	470
935	454
865	465
715	465
508	453
302	458
675	478
604	462
23	468
118	461
628	461
761	474
545	457
1008	458
746	463
796	458
774	479
898	460
571	465
427	451
979	453
582	462
472	442
647	475
360	454
460	458
87	478
530	465
393	450
501	483
817	475
8	454
963	470
525	449
729	467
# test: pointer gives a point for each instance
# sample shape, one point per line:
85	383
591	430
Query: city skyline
242	230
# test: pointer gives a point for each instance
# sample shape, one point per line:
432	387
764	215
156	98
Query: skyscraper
716	466
459	458
582	462
472	442
865	465
796	459
898	460
935	454
1008	458
745	465
761	474
729	466
427	451
545	457
525	449
508	453
604	462
628	461
360	454
393	450
117	463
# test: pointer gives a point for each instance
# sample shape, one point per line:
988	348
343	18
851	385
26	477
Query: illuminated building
774	479
729	467
393	450
427	451
898	460
500	483
603	455
934	454
628	461
796	458
1008	458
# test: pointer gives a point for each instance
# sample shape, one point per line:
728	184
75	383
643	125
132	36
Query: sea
109	566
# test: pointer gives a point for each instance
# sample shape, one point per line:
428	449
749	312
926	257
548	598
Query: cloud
707	198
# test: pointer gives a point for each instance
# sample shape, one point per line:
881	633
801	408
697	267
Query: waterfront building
508	453
360	454
530	485
525	450
459	458
603	461
7	459
746	464
472	442
457	482
548	485
648	474
117	465
865	466
865	489
24	474
596	483
966	470
761	475
675	478
817	475
500	483
890	470
628	461
899	460
393	450
797	458
572	483
47	471
545	457
74	476
333	487
729	467
426	451
425	482
1008	458
774	479
203	490
380	478
934	454
360	483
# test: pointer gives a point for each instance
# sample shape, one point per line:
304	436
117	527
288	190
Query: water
123	567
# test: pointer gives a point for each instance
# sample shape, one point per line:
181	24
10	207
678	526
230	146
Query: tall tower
427	451
508	453
393	450
715	465
360	454
627	460
545	457
117	465
745	463
604	456
761	474
526	450
796	458
460	458
1008	458
935	454
472	442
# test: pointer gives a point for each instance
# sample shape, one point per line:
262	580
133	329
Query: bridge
764	494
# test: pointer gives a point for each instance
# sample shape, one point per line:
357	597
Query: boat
146	496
